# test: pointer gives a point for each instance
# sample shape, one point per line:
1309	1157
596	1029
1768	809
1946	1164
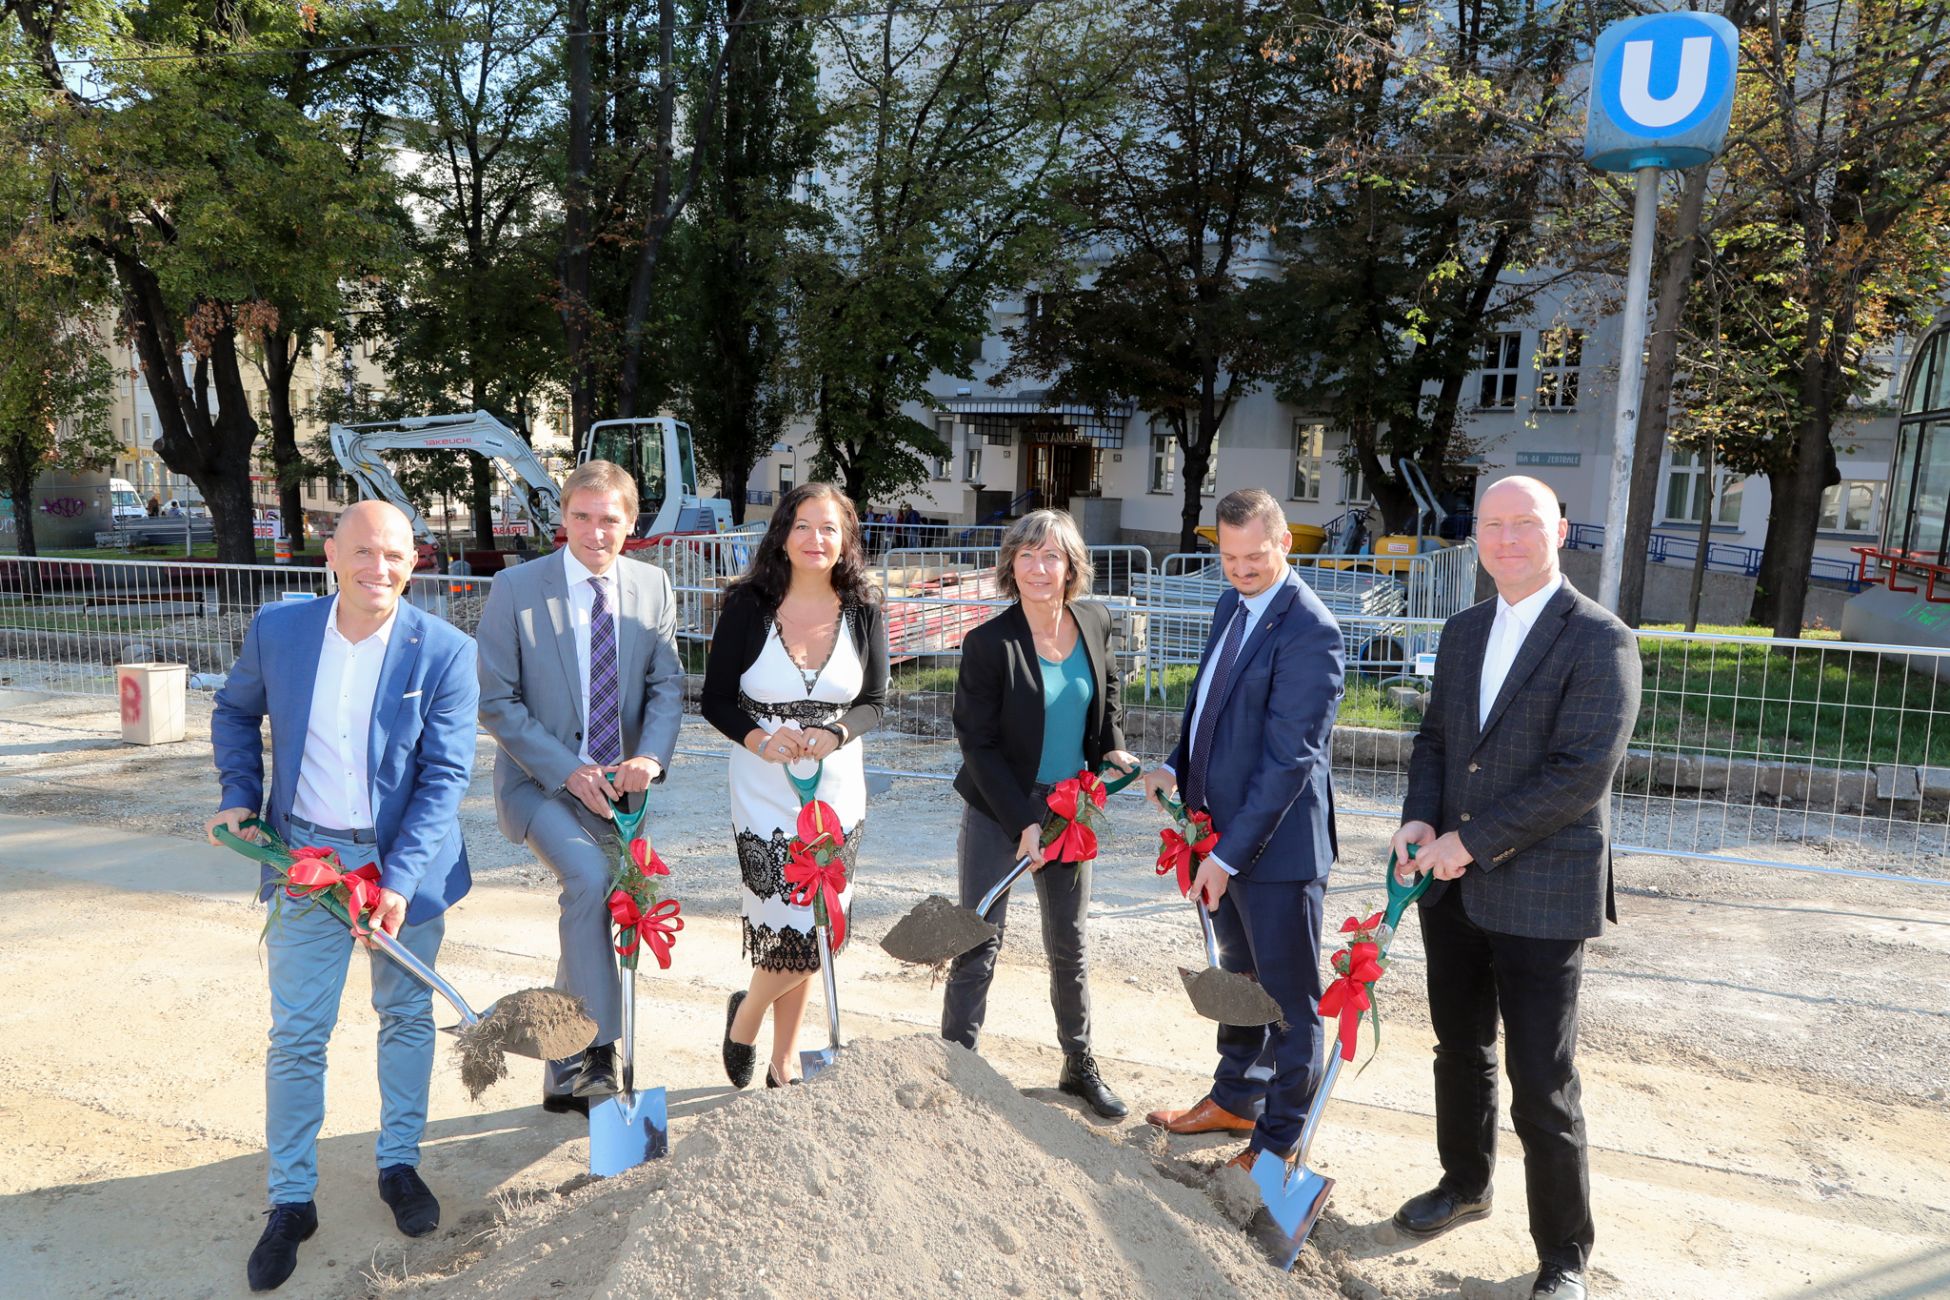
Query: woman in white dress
796	675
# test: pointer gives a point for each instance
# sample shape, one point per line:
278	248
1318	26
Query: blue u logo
1668	75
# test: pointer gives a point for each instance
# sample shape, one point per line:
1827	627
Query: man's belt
364	836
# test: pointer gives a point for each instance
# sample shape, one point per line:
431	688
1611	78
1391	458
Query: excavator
656	451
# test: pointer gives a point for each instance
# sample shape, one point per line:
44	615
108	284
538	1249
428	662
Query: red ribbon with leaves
1181	853
1073	803
816	866
1356	968
657	927
315	871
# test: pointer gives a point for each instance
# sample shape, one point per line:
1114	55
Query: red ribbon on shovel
1076	842
646	859
316	871
810	878
1357	967
1179	854
658	927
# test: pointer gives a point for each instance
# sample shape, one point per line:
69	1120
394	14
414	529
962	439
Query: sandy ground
1766	1056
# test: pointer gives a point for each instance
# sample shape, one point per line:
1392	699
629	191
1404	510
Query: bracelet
833	729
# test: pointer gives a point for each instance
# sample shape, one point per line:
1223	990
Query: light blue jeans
309	952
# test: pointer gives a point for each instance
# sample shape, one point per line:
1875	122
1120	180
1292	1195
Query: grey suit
1528	792
531	703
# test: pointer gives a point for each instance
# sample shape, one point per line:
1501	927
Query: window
1309	459
1164	457
1499	372
1850	507
971	468
1354	485
992	429
1210	486
1559	354
122	383
788	471
128	436
944	429
148	438
1685	497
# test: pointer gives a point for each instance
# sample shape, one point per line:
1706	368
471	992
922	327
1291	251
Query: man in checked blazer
1509	806
582	689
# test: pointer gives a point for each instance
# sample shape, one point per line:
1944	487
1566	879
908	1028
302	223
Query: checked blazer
1529	792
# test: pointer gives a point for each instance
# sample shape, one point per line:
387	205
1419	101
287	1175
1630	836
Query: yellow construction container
1307	538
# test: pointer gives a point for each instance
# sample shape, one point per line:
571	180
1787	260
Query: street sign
1661	91
513	528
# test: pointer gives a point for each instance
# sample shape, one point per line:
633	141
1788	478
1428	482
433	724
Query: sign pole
1631	378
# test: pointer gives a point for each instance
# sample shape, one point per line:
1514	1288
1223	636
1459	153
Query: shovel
540	1023
1222	995
629	1127
813	1060
937	931
1292	1199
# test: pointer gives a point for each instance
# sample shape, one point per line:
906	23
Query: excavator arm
357	447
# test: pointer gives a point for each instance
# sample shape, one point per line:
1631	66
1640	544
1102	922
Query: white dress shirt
1254	608
1512	625
582	599
334	781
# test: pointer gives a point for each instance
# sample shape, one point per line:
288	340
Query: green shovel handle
1112	787
273	853
1400	895
628	822
806	787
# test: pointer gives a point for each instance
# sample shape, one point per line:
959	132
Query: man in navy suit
1254	754
372	709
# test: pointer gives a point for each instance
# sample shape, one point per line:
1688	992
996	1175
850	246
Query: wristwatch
837	731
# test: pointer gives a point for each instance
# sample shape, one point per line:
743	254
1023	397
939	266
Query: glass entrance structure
1919	473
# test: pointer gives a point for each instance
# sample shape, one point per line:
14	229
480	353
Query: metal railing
1721	557
1801	754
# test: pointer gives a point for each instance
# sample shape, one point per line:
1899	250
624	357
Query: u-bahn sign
1661	91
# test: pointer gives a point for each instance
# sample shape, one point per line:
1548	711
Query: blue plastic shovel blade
626	1130
811	1062
1290	1205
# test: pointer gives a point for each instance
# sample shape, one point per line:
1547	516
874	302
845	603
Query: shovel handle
1001	887
1211	936
831	984
424	973
626	1045
1400	896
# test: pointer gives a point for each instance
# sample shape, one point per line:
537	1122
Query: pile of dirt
545	1024
909	1169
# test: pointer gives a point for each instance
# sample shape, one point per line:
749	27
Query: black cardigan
999	711
740	637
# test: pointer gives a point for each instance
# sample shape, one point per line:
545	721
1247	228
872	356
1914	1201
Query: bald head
1519	529
371	554
376	519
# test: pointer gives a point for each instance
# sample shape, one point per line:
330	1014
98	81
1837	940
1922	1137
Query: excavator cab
658	454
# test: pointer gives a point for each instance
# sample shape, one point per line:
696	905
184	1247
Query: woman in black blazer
1038	699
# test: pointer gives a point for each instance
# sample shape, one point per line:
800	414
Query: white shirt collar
577	572
384	632
1526	610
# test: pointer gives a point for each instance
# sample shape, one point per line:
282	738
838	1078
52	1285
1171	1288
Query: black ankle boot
739	1058
1080	1079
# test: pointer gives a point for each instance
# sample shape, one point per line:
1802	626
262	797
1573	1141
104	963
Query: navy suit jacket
420	754
1268	787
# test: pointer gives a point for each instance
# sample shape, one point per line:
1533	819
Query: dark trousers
1270	930
985	853
1475	974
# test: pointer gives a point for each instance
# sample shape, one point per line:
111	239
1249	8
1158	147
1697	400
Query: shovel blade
1291	1203
811	1062
627	1129
1228	998
936	931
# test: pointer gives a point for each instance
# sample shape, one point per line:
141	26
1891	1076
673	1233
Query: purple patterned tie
1208	716
605	719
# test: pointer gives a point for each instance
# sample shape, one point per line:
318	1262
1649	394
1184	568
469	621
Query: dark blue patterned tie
605	719
1208	716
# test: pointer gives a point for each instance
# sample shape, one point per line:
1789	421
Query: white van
123	500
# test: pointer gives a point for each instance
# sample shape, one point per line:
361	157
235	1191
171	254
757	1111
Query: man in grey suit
582	689
1509	806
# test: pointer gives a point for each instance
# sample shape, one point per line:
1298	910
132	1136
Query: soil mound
543	1023
909	1169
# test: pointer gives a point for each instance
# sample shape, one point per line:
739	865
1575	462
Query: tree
735	300
212	195
1182	185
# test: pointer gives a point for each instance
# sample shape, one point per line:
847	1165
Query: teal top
1067	688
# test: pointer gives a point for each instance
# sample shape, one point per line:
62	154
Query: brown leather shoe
1207	1116
1246	1159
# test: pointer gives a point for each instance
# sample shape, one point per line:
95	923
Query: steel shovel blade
812	1061
1290	1205
627	1129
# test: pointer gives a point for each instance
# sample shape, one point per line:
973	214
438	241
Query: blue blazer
421	753
1268	788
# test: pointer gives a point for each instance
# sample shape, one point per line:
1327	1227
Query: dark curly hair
771	568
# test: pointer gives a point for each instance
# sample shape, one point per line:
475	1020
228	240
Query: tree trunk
574	305
281	350
736	484
22	495
480	496
1655	394
1780	595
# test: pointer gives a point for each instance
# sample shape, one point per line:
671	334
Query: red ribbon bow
1347	997
658	926
1355	925
1182	855
315	871
646	859
818	821
811	878
1076	842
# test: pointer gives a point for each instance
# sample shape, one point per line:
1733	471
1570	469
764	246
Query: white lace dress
765	806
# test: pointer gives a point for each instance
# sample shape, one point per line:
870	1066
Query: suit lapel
395	674
294	681
1025	647
1542	636
1093	654
1473	641
628	617
1276	610
555	599
1221	619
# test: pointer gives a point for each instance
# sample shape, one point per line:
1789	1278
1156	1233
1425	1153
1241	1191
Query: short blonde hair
602	476
1237	509
1032	530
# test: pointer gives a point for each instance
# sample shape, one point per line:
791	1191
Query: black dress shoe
597	1077
414	1209
1555	1282
1438	1211
276	1253
772	1079
561	1103
1080	1079
739	1058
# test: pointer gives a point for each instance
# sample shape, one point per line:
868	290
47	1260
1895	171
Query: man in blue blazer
1254	754
372	709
